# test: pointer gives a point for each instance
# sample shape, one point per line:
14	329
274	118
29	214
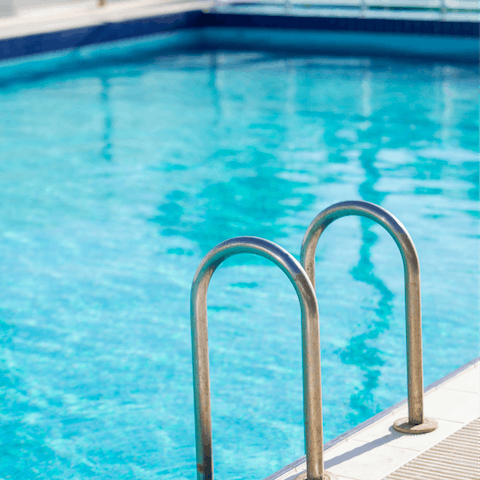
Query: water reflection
251	202
250	193
108	122
361	350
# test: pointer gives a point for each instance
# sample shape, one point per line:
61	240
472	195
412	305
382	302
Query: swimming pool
117	179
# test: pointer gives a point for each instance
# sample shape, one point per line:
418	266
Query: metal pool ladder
312	389
304	284
416	422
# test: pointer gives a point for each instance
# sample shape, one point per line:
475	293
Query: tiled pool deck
55	18
374	451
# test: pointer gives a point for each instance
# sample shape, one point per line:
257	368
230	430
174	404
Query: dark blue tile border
108	32
423	27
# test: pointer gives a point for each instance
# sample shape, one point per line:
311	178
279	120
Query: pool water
117	179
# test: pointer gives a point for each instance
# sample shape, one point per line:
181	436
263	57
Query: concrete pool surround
375	451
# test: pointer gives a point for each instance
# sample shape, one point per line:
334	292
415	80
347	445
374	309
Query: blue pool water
116	180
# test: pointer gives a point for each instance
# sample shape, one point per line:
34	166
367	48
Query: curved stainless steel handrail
312	388
416	422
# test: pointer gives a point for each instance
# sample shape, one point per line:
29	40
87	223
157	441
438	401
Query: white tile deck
377	450
267	8
56	18
456	457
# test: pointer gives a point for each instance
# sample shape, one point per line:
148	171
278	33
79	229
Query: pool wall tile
441	47
44	64
161	24
461	29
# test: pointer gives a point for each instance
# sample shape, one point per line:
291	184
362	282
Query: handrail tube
412	285
310	350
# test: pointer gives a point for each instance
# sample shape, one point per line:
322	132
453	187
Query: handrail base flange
326	476
402	425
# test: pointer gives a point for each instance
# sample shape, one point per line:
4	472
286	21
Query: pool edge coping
374	419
